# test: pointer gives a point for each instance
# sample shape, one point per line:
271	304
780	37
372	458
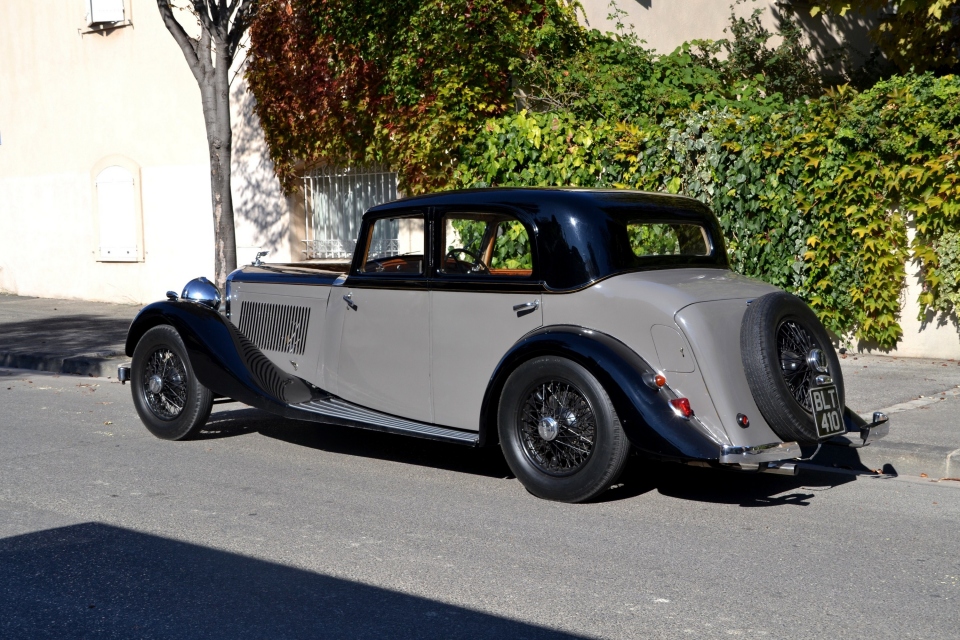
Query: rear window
649	239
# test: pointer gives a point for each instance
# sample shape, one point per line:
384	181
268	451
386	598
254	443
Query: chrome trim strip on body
772	452
341	409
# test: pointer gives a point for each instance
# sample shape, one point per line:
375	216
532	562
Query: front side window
395	246
649	239
485	244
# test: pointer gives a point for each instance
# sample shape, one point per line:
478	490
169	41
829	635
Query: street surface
278	529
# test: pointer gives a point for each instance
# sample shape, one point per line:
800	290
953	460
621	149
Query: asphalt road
273	529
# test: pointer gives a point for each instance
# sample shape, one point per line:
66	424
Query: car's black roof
583	199
580	234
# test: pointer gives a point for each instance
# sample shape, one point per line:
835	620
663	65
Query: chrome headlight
203	291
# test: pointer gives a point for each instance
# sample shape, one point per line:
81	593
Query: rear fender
223	359
645	415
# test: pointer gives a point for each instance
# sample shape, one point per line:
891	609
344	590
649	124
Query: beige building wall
666	24
72	103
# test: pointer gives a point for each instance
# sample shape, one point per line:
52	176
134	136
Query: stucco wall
666	24
69	100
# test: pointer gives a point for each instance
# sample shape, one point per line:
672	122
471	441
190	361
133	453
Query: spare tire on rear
784	348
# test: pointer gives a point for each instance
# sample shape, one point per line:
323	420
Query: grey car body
579	315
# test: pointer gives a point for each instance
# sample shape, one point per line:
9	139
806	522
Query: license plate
827	411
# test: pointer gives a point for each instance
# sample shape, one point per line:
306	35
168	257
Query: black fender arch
224	360
647	419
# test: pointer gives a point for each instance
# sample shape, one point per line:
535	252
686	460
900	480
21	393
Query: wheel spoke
572	443
164	384
794	343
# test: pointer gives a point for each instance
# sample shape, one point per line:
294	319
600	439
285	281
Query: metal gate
334	201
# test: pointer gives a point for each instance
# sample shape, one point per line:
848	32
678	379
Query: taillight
681	406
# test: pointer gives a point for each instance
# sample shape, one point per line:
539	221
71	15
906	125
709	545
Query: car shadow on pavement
641	475
364	443
722	486
101	581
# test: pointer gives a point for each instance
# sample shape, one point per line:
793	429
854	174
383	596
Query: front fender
223	359
646	417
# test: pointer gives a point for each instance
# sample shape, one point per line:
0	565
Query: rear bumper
775	455
861	433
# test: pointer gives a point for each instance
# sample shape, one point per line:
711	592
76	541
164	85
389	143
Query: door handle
526	307
350	303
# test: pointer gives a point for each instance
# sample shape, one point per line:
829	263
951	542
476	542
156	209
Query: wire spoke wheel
165	384
557	427
794	346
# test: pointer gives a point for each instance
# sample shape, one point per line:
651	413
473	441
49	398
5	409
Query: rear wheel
559	431
171	402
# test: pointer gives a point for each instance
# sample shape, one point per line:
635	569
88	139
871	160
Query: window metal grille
334	201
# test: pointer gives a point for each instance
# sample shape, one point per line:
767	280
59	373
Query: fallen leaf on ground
107	422
923	475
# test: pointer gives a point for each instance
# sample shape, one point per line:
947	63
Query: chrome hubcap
548	428
817	360
155	384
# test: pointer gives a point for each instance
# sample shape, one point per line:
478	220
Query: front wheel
171	402
559	431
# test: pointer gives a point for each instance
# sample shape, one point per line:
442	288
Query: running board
348	414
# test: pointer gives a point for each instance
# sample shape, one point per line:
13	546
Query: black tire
171	402
587	448
777	335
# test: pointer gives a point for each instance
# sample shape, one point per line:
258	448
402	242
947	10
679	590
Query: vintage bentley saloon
568	326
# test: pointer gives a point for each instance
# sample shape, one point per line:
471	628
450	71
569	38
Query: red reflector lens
743	420
660	380
682	406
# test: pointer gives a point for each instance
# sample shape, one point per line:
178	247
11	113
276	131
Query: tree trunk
216	111
222	25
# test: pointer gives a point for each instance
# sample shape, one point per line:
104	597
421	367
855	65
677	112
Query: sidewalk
63	336
921	396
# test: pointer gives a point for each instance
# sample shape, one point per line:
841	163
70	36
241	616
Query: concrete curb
98	365
953	465
910	459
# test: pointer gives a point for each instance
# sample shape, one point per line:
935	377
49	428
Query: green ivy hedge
813	196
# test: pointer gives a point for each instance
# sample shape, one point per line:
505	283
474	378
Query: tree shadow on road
65	335
641	476
94	580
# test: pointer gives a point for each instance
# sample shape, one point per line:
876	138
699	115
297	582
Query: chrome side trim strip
337	408
772	452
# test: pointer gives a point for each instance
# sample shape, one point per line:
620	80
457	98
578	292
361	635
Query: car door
384	359
485	296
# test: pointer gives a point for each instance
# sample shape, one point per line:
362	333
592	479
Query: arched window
117	212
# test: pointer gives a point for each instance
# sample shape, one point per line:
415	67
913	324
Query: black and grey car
568	326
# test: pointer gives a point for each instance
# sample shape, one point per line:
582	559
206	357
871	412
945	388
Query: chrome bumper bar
773	452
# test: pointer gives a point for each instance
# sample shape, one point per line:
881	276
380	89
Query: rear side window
485	244
648	239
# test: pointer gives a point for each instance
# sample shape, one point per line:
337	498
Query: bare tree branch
187	44
243	16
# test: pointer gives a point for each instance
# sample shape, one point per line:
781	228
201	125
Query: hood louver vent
275	327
